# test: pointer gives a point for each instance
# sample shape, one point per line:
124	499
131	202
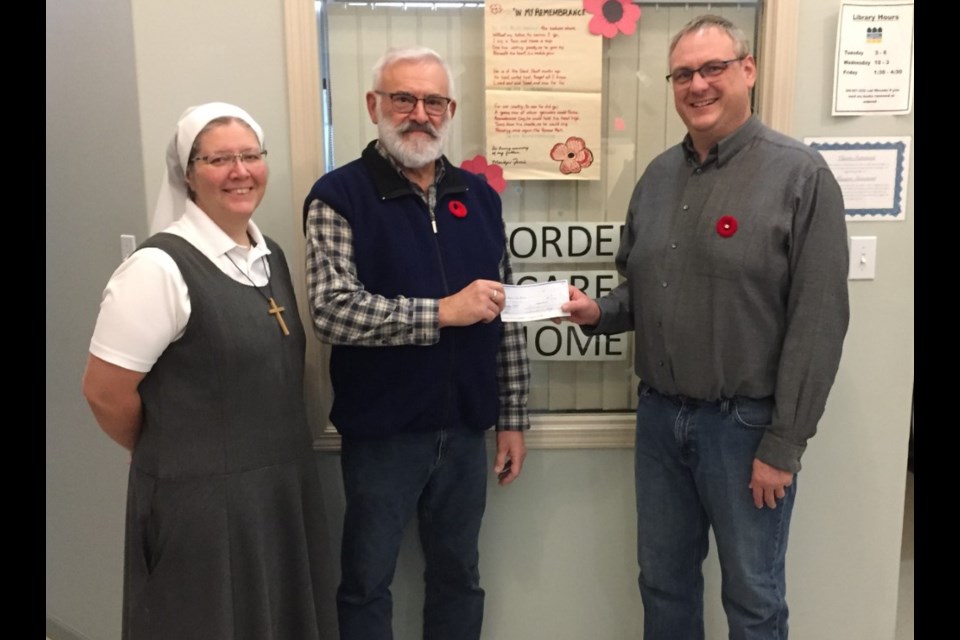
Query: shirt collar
210	239
727	148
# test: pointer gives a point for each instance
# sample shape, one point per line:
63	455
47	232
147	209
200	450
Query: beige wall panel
350	79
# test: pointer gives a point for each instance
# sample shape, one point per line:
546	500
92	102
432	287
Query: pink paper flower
493	173
610	16
573	155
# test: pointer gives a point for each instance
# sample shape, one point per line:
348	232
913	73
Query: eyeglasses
219	160
404	102
712	69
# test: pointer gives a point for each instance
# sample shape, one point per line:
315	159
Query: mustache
425	127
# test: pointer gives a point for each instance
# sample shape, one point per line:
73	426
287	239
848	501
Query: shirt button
698	170
685	207
659	363
673	245
664	284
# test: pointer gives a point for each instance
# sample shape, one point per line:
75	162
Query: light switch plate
863	257
127	244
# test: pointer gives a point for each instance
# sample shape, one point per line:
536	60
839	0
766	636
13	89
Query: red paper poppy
492	173
611	16
726	226
458	209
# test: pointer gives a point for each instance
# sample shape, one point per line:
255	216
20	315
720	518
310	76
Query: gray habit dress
223	508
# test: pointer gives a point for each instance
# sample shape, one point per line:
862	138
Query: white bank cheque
535	301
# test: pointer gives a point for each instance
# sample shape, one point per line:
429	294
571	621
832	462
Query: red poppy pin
458	209
726	226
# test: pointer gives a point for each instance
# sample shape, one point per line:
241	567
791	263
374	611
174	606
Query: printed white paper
540	301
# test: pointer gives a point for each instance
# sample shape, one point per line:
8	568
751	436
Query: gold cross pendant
278	312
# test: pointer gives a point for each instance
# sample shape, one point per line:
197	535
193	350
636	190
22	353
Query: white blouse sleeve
144	308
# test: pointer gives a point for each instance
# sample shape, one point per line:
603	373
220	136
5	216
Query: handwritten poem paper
543	79
541	45
541	301
544	135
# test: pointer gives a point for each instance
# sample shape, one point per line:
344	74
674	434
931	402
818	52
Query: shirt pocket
741	234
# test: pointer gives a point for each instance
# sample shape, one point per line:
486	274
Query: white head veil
173	197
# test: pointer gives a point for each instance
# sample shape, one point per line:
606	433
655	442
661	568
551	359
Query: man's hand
479	301
583	309
768	484
511	451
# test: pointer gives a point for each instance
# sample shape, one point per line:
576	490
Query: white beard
413	152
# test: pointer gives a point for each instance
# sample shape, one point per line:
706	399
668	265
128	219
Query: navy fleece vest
380	391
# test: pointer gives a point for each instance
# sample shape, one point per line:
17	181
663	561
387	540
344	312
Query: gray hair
410	54
740	45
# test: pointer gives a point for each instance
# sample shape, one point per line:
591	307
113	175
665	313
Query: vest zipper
448	410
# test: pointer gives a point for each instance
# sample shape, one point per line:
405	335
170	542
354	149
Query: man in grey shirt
735	263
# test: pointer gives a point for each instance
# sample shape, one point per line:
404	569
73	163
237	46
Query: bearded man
406	260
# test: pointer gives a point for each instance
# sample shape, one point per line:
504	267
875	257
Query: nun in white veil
196	367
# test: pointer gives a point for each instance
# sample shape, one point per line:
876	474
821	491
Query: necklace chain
273	309
266	270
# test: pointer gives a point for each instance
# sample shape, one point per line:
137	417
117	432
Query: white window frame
776	55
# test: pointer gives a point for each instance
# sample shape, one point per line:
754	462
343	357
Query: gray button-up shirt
736	279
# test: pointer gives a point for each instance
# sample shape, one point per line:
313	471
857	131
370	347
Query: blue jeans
442	477
693	462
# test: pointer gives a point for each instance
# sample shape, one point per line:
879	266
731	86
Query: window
352	36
